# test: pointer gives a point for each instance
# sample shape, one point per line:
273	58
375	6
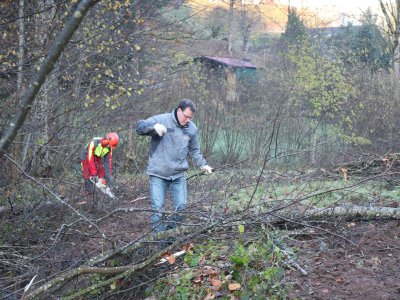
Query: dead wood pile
374	165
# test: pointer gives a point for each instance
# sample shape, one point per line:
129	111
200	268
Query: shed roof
234	62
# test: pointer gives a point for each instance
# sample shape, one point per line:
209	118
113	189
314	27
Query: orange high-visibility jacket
96	160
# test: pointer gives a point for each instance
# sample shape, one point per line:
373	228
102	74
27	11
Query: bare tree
231	16
21	43
46	67
391	12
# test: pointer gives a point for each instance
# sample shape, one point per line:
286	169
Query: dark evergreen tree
295	32
363	44
370	47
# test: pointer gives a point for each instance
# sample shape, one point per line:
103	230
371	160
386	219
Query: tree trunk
44	33
245	26
21	44
391	13
230	38
231	84
396	54
355	212
21	59
313	145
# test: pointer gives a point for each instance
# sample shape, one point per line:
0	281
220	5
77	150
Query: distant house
324	35
326	32
228	68
366	44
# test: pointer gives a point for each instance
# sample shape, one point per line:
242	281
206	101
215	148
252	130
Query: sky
341	11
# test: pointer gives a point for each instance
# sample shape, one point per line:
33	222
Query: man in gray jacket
173	137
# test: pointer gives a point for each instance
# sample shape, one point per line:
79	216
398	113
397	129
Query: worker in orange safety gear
96	161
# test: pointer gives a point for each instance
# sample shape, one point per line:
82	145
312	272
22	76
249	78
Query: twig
27	287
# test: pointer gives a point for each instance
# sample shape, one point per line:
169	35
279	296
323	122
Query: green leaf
239	260
41	141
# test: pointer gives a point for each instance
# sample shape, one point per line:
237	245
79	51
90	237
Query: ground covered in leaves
337	269
356	260
342	259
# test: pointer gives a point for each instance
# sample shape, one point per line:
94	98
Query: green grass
289	151
318	193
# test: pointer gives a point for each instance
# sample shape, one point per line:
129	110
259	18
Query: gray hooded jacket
167	154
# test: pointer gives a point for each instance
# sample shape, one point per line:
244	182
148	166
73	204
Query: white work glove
160	129
101	183
207	169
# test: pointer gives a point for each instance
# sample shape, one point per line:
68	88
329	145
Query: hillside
206	27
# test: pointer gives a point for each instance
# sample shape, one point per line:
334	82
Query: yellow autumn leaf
171	259
209	297
216	283
234	286
344	173
376	261
187	246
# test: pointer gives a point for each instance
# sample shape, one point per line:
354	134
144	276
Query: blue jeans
158	191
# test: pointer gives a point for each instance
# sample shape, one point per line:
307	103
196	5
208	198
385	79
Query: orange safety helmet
111	139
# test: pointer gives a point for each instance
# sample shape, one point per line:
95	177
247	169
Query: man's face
184	116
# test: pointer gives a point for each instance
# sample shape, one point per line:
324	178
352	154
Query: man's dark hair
185	103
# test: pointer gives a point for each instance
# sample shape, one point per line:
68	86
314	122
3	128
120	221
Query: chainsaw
101	185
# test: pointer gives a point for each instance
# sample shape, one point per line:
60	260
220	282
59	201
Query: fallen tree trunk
355	212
